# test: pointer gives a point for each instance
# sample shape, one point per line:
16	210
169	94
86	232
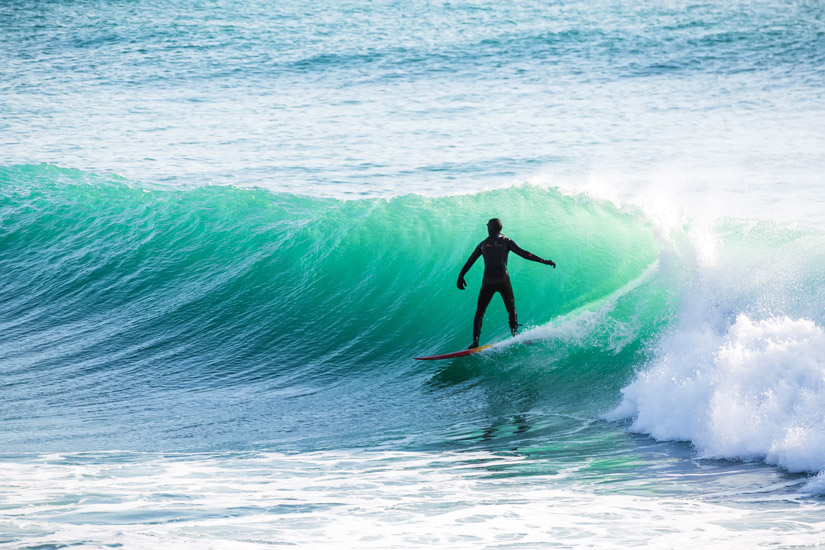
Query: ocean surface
226	229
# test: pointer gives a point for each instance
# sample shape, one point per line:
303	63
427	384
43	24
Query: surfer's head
494	226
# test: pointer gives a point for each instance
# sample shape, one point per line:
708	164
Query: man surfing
495	249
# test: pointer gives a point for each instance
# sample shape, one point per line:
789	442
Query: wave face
246	315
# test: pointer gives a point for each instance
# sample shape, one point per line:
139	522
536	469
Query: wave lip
756	392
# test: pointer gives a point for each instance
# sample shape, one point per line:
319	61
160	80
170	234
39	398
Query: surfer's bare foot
474	344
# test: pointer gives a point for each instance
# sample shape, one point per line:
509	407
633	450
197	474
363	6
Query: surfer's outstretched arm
529	255
462	284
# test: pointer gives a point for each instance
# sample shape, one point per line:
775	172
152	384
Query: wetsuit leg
506	291
484	297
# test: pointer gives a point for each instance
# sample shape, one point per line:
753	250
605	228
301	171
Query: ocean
226	229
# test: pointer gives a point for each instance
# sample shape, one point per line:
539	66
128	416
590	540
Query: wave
222	285
116	292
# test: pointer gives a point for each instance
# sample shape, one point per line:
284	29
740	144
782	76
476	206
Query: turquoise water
226	228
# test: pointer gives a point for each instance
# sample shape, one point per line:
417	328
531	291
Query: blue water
227	227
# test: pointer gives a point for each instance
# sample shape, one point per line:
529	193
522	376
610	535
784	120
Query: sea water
227	227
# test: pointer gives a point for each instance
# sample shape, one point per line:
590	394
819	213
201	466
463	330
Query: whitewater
226	229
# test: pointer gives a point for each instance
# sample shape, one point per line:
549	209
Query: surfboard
455	354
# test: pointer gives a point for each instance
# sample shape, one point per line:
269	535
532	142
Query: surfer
495	249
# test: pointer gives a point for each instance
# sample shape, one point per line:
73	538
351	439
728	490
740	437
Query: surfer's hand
550	262
462	284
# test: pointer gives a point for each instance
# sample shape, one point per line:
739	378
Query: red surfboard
461	353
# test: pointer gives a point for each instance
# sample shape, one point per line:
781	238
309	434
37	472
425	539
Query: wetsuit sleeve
524	254
470	261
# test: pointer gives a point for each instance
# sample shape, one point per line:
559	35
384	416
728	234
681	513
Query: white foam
582	323
357	499
756	391
816	486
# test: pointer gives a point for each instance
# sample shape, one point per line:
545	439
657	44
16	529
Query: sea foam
755	391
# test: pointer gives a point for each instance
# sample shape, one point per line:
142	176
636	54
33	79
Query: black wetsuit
495	249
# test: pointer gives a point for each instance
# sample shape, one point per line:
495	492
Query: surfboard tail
455	354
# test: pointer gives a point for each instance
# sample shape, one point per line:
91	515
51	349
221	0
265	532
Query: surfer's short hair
494	225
